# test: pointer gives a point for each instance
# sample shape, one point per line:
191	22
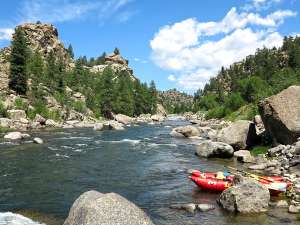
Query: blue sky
177	43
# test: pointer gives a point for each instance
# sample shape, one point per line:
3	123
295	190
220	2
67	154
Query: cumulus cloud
191	50
171	77
6	33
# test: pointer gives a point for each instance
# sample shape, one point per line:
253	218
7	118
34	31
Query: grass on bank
257	150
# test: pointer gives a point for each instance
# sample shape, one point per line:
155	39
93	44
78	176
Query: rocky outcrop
240	134
186	131
161	110
116	63
173	98
95	208
281	115
245	196
42	38
210	149
16	114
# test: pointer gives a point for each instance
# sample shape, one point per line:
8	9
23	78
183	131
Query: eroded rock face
245	196
210	149
16	114
95	208
281	115
240	134
42	38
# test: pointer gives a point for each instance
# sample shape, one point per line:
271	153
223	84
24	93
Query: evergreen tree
107	94
18	60
70	51
152	97
124	101
117	51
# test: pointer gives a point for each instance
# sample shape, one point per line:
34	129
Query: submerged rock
189	207
245	196
95	208
38	140
211	149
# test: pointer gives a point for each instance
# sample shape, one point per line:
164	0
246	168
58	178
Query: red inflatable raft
210	181
228	176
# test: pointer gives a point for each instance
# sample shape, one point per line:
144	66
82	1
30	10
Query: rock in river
38	140
186	131
240	134
95	208
245	196
211	149
16	135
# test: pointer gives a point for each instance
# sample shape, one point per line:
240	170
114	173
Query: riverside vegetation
95	88
235	91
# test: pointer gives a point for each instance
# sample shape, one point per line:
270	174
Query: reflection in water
143	164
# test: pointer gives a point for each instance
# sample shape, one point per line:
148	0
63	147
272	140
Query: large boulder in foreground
95	208
210	149
245	196
186	131
240	134
281	115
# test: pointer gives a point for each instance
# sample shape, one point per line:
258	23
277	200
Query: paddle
257	177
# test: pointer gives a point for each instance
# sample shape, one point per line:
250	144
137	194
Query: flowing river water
143	163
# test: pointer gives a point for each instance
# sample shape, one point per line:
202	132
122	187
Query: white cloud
171	77
61	11
186	48
260	4
6	33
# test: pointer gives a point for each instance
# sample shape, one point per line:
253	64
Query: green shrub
40	108
21	104
217	112
234	101
79	106
3	111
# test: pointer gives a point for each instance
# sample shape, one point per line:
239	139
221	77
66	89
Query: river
143	163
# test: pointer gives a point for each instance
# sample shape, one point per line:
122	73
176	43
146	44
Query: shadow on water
143	164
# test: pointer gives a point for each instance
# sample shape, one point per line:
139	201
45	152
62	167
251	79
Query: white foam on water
53	149
131	141
73	138
156	145
81	145
9	218
61	156
67	147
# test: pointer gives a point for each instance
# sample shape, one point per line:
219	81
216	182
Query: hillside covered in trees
39	69
235	91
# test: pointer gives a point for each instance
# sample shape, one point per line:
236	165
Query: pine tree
107	93
18	61
124	102
70	51
153	97
117	51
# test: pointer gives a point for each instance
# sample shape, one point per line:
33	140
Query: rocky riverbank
279	121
